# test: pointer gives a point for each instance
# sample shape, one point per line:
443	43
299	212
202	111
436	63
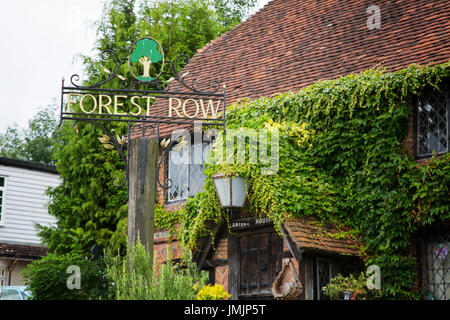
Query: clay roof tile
290	44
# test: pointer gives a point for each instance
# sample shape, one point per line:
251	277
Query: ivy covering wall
341	160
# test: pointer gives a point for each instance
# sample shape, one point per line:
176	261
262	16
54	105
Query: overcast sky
40	40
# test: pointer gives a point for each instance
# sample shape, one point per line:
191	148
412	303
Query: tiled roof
290	44
311	236
21	251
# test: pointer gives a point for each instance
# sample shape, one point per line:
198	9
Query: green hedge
47	278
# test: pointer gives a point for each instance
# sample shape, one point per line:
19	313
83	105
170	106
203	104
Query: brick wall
221	272
221	276
221	249
165	247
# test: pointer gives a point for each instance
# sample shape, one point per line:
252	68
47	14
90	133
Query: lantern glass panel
239	192
223	190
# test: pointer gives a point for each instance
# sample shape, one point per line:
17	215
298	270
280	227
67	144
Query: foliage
11	143
136	278
342	160
357	286
47	278
89	209
232	12
213	292
87	205
180	26
165	219
35	143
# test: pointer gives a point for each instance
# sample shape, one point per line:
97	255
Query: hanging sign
103	104
134	100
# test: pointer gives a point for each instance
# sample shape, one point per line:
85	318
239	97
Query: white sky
39	41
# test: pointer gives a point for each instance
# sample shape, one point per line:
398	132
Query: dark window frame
445	87
169	201
318	294
431	238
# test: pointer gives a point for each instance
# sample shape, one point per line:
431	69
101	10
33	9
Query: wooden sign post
131	103
141	202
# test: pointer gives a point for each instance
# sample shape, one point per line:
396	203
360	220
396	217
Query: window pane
432	124
323	277
196	176
178	174
437	273
186	171
2	182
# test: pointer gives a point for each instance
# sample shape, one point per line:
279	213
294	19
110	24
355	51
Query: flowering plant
215	292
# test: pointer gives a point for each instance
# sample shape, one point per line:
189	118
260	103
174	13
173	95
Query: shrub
47	278
135	278
357	286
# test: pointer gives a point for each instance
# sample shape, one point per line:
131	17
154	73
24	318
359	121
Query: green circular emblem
146	58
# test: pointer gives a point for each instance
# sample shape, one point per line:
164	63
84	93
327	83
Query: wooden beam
210	263
141	202
293	247
207	248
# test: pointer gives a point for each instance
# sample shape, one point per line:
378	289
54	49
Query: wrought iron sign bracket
145	65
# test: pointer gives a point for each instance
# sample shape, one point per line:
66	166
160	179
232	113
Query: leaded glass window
186	171
323	277
436	267
433	123
179	177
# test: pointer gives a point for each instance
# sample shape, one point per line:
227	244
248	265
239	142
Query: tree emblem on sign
145	52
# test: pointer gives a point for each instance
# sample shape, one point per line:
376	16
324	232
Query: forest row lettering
141	105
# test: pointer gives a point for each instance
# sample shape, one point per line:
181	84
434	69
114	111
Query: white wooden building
23	204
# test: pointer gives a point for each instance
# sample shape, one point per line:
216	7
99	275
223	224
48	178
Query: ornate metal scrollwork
145	79
167	146
155	84
215	84
105	55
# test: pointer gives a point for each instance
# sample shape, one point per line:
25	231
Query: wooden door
256	260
